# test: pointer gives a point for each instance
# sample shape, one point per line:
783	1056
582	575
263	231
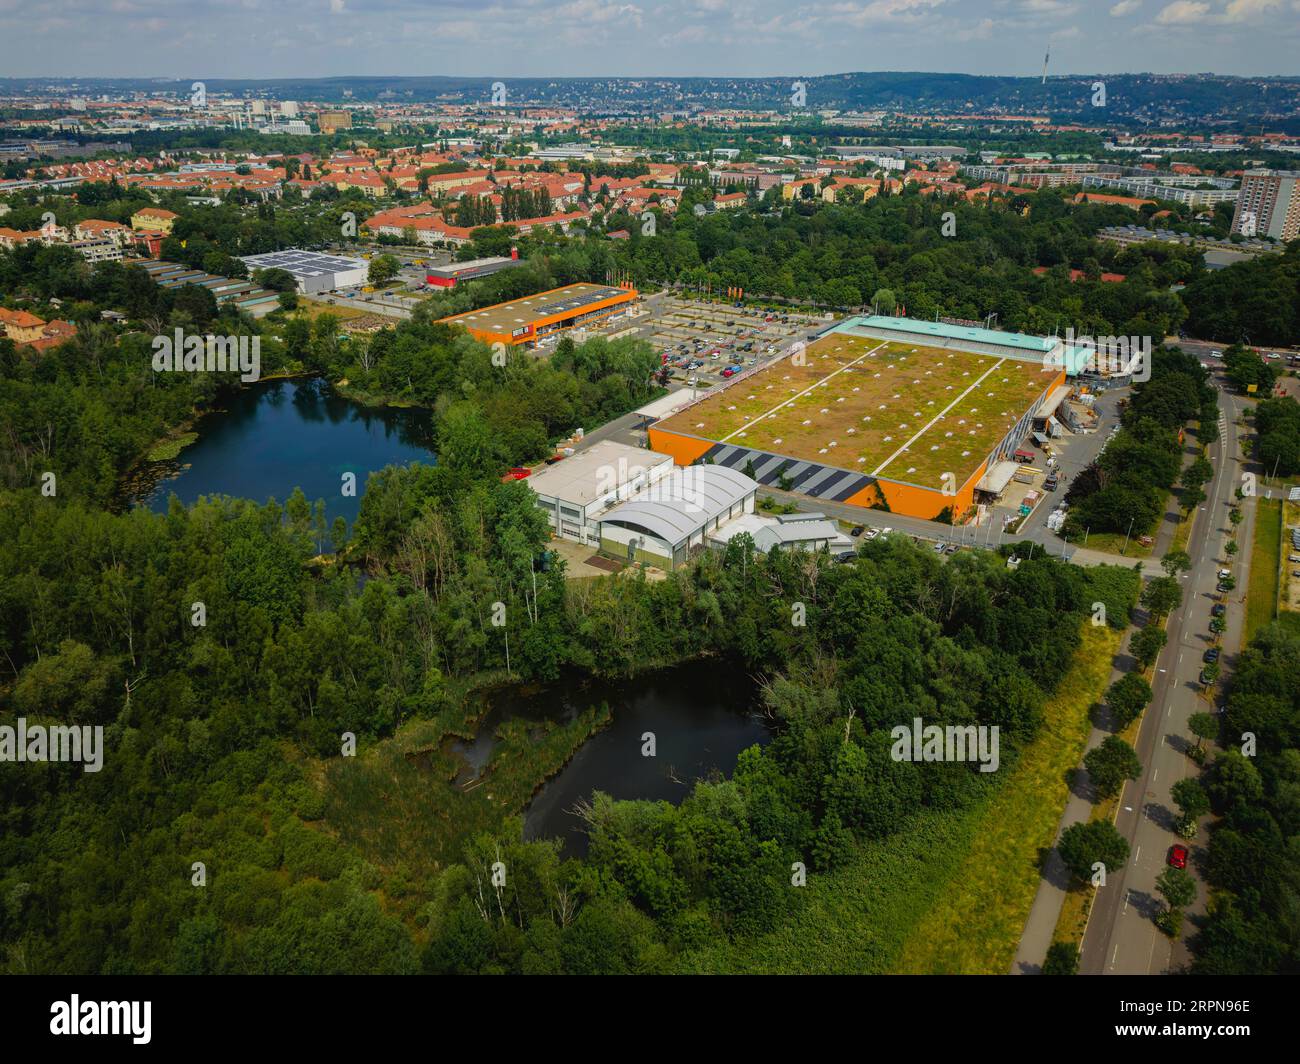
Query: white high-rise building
1269	204
289	109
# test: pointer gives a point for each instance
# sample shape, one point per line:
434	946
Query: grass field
310	308
976	922
1261	594
906	413
1114	543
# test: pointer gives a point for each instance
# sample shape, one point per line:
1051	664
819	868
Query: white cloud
1125	7
1244	10
1183	13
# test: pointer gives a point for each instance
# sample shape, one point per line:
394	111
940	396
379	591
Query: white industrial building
660	525
313	271
576	491
801	531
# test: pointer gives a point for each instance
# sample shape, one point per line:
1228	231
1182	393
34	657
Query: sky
557	38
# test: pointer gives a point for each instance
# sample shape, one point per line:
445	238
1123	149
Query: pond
701	714
274	436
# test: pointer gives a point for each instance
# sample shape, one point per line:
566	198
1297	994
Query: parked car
872	533
1221	587
1178	855
938	548
857	531
1218	609
1211	656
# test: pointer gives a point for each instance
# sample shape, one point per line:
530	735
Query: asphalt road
1121	937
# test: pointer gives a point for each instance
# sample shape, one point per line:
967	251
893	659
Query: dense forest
1254	791
213	733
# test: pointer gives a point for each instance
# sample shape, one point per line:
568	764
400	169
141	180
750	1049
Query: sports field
887	409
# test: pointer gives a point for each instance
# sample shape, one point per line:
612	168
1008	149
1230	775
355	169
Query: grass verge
976	922
1265	552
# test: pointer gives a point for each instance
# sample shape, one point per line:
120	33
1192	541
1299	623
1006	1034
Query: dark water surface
701	714
275	436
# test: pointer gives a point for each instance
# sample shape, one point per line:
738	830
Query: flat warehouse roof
507	317
303	263
583	477
451	269
906	413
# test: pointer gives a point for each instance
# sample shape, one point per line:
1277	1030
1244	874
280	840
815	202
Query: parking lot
706	343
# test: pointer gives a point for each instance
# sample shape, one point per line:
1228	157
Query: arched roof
682	503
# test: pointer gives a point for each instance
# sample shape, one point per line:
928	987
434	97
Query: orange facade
531	330
906	499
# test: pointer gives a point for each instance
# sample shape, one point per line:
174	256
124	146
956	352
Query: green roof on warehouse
1040	345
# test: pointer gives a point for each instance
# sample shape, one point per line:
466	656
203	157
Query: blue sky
529	38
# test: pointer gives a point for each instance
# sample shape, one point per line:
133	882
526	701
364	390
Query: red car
1178	856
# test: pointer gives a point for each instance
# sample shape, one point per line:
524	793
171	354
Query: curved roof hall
682	503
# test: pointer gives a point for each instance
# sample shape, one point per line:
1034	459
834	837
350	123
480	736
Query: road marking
1137	854
1155	772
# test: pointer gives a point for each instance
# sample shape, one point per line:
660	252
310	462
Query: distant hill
1133	98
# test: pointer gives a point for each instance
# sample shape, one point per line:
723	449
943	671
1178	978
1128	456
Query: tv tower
1046	58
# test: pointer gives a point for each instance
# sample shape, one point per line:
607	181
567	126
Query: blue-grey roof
971	334
682	503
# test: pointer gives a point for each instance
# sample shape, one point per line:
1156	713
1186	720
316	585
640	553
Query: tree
1096	841
1177	887
1128	697
1062	959
1193	803
1110	764
276	279
383	268
1191	498
884	301
1203	726
1162	596
1146	644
